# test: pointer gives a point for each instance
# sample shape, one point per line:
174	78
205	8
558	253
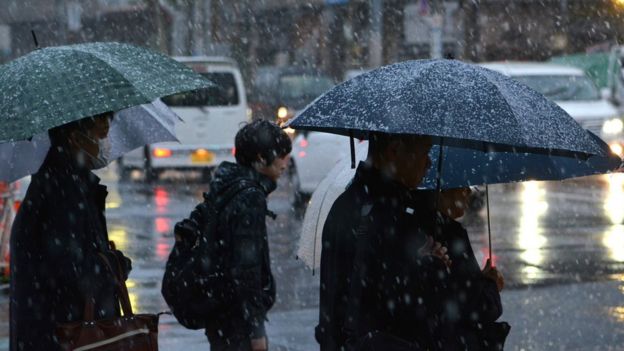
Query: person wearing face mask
61	258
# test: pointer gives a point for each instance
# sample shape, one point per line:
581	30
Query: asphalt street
560	246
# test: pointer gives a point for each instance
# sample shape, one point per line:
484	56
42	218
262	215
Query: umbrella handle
487	202
352	145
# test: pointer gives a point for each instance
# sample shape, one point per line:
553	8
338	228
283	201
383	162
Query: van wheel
123	172
151	174
298	200
206	175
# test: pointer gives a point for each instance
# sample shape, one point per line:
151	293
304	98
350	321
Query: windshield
562	87
299	90
224	93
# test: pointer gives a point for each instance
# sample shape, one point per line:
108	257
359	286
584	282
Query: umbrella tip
32	31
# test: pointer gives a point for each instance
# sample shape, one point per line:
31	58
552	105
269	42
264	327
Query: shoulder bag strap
122	288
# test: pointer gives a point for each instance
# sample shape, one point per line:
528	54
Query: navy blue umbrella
459	104
462	167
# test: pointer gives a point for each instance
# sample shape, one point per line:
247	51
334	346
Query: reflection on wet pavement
544	233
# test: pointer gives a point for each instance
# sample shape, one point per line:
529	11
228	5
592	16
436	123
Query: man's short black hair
261	138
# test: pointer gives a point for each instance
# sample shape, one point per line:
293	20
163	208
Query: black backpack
195	284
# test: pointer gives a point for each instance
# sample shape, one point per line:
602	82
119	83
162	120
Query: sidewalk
587	316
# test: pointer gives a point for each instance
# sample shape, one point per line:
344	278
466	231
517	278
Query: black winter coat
56	237
400	288
242	226
404	294
473	299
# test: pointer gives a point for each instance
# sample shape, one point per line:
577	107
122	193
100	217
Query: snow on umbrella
131	128
53	86
463	167
458	104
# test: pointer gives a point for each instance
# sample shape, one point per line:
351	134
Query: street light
619	2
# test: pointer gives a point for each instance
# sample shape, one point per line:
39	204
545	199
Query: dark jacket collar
229	173
60	163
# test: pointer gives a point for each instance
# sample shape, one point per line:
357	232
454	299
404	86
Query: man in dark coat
262	155
473	303
402	266
59	237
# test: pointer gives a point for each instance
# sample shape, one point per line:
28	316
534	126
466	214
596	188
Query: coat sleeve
249	261
476	296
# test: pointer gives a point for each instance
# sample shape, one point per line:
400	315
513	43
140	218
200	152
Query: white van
571	89
211	118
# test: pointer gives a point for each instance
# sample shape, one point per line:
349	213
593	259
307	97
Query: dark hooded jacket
56	239
242	225
404	294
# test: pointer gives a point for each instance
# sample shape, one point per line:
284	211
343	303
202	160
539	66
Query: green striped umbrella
56	85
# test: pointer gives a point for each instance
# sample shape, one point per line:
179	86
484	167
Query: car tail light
161	153
233	151
16	205
302	154
303	143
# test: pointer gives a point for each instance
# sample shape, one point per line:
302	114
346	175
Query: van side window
224	93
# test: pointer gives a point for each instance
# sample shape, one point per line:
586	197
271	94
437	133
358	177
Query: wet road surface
544	234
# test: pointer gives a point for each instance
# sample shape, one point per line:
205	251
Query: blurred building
58	22
331	35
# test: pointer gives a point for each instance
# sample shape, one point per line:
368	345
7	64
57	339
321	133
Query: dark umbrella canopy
465	104
56	85
464	167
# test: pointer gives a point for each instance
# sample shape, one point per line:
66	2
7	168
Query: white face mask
104	154
103	157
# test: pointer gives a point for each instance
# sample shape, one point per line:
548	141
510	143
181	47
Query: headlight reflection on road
134	298
120	237
113	200
613	238
530	239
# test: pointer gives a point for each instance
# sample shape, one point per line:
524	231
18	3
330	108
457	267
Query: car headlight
617	149
284	113
613	126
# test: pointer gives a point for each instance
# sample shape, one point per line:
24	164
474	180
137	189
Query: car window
224	93
562	87
303	86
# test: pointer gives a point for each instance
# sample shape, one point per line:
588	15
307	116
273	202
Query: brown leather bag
131	332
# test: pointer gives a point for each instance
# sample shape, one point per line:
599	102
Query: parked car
314	154
278	93
571	89
352	73
211	118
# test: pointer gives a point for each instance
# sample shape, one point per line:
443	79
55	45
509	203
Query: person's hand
436	249
493	273
259	344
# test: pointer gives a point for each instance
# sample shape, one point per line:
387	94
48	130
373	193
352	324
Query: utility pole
61	15
375	51
472	36
436	24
